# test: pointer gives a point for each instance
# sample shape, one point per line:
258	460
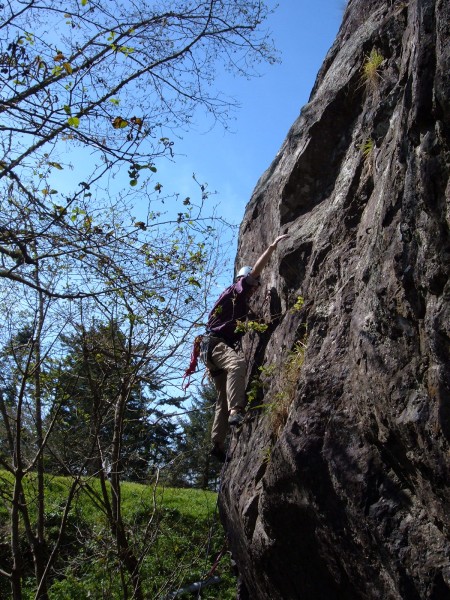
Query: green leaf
193	281
56	165
84	2
119	123
127	50
73	122
133	182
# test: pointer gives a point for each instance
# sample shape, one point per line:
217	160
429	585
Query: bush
170	529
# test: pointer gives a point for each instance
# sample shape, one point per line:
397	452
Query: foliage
299	303
85	386
367	147
267	455
290	372
259	384
246	326
86	412
284	388
116	81
371	69
94	253
193	466
180	521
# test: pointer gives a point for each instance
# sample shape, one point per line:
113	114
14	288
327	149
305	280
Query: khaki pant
230	386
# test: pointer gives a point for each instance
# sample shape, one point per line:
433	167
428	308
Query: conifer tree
196	467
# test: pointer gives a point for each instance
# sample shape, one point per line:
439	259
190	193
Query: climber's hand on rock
279	238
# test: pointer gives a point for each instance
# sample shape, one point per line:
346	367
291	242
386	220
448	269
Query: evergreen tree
196	467
13	360
85	385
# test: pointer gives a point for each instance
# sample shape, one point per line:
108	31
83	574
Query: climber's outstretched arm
265	256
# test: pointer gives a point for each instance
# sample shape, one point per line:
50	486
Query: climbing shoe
236	418
218	452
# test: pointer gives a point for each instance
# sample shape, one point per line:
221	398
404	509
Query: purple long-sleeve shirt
230	307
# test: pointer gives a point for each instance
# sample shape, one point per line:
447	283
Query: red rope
193	363
216	562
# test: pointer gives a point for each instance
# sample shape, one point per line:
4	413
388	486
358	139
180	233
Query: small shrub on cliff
267	455
367	147
298	304
259	383
367	150
246	326
371	69
279	410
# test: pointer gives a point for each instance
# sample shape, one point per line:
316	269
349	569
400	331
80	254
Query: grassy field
177	531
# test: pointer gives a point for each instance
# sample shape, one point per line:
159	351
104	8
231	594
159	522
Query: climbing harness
201	348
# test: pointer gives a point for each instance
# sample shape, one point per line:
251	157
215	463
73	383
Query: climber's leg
220	423
235	367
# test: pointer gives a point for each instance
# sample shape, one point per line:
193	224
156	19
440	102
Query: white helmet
243	272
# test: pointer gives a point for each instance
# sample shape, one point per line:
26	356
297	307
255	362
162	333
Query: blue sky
231	162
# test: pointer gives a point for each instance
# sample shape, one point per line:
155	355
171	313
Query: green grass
178	548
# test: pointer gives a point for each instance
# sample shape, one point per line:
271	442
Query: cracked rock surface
346	494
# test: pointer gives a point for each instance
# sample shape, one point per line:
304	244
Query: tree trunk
125	552
40	551
17	564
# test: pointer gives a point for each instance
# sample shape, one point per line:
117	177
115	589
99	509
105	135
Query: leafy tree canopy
92	94
114	80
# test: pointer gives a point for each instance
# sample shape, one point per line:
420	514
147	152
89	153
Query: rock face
347	495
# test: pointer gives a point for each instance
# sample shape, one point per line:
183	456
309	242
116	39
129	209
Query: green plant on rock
299	303
367	147
279	409
246	326
367	150
267	455
259	383
371	69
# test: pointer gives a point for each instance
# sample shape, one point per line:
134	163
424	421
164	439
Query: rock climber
220	352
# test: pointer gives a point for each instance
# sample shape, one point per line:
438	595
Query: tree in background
92	95
13	360
194	466
87	381
83	413
115	80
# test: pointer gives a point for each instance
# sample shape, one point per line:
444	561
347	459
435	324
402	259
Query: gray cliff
346	495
